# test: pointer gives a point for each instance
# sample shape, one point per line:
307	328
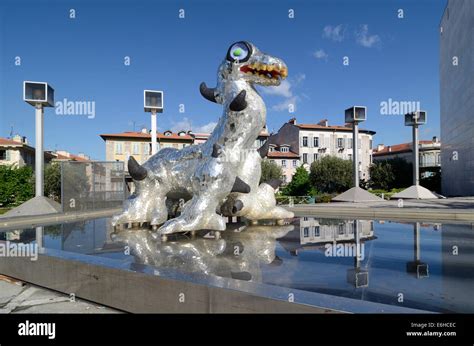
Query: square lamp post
355	115
416	191
153	103
39	95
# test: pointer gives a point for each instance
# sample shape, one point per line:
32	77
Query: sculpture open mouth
267	71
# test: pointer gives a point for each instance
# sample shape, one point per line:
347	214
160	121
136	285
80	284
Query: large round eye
239	51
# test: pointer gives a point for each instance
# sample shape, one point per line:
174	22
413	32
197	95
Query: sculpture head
244	61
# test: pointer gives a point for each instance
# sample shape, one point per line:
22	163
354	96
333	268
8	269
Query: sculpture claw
208	93
238	104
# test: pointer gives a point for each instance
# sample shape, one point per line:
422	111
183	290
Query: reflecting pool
424	266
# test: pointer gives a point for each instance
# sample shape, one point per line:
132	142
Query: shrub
331	174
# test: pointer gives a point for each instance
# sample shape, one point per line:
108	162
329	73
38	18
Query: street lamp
415	119
39	95
355	115
417	267
153	103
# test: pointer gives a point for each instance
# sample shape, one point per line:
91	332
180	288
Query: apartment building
302	144
16	152
120	146
429	151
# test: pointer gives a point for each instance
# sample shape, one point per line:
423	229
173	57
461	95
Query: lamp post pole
39	154
416	157
153	132
355	152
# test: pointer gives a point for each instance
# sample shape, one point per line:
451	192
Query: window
283	163
341	230
271	149
305	141
340	142
349	156
315	157
118	148
295	163
305	158
284	149
316	142
349	143
317	231
306	232
3	155
135	148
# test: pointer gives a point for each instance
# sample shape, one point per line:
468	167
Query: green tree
270	170
403	171
299	185
331	174
16	185
52	181
381	175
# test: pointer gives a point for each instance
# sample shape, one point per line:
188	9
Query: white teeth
270	68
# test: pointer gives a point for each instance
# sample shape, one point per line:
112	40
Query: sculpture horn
208	93
240	186
136	171
275	183
238	104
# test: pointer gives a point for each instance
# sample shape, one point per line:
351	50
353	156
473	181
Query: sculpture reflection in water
239	253
220	177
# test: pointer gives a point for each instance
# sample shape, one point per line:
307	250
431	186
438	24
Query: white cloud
182	125
285	90
186	125
208	128
335	33
365	39
320	54
285	105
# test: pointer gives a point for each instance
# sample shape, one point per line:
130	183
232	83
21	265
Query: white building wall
328	145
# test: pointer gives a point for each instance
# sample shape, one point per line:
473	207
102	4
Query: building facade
120	146
17	153
302	144
429	154
457	98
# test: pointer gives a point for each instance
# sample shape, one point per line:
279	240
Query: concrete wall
457	98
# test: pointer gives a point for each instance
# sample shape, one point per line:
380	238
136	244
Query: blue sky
83	59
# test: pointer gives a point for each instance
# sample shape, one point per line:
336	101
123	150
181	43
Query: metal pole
357	244
153	132
416	229
355	153
416	157
39	236
39	154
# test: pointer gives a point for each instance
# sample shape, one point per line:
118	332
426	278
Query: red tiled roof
6	141
397	148
281	155
146	135
332	127
70	157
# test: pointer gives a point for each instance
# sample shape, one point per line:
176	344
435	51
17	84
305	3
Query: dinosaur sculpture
221	176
